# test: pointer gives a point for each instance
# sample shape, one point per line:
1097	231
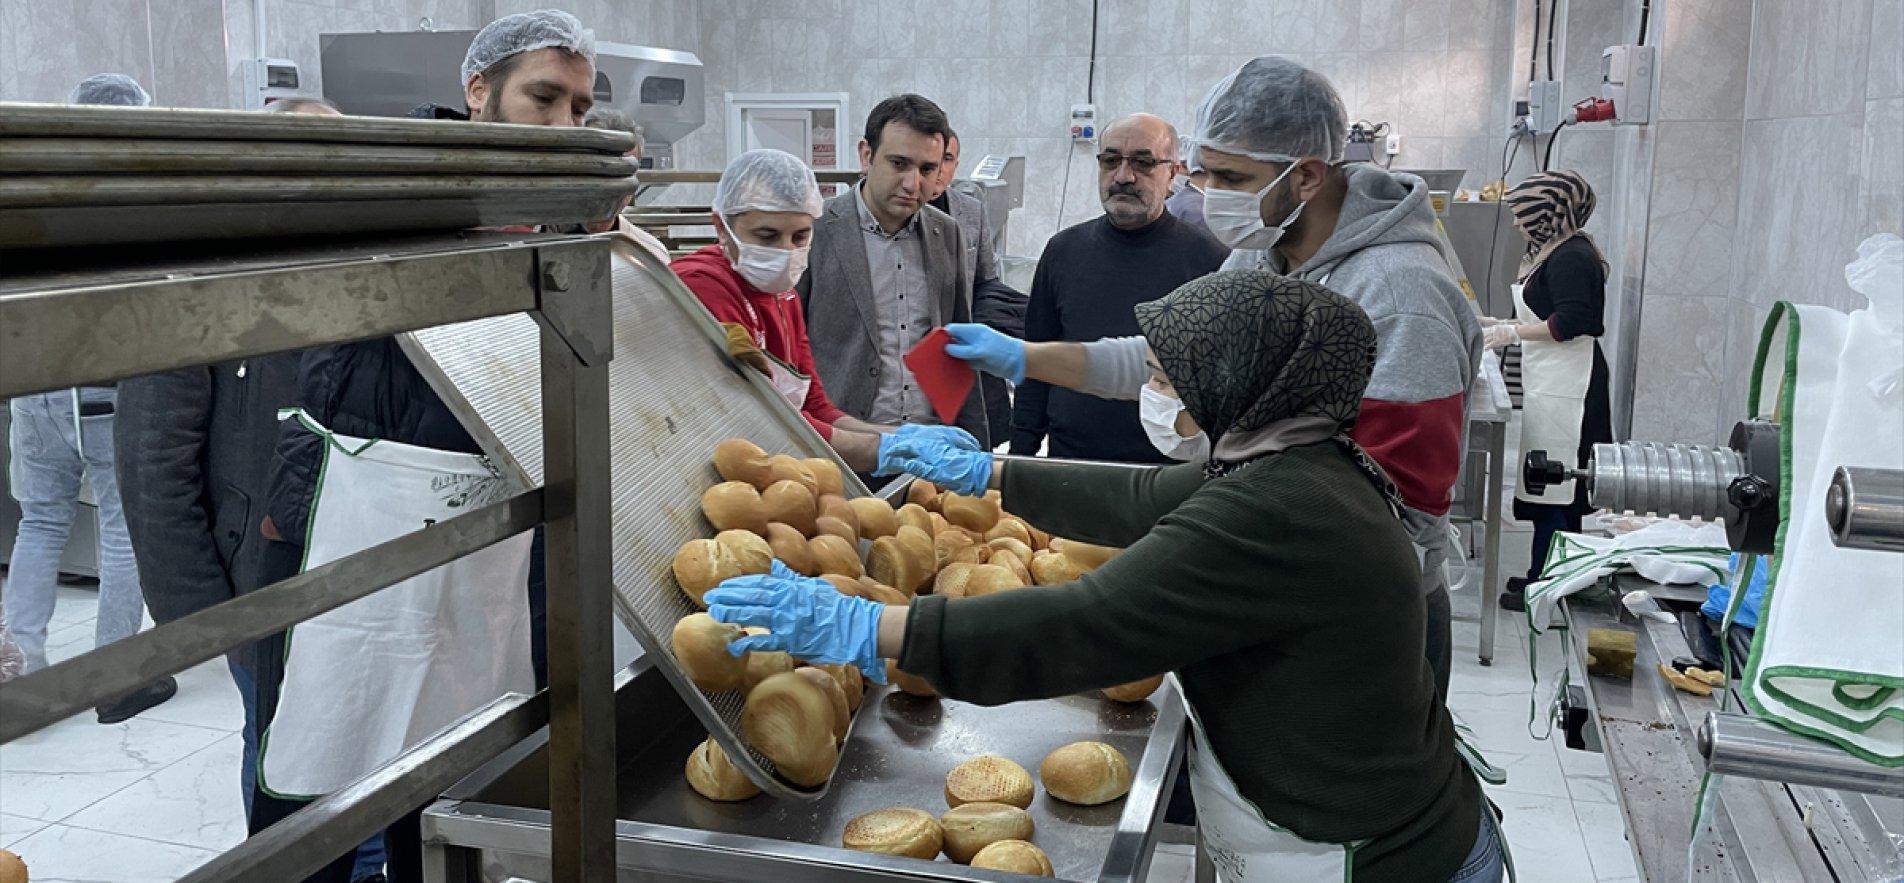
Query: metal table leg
1491	544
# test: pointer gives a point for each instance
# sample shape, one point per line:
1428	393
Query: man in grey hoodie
1270	138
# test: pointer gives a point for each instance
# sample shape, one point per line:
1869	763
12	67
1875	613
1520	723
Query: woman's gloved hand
955	467
987	350
905	441
806	617
1496	337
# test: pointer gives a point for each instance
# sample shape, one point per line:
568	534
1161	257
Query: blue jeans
1484	863
53	449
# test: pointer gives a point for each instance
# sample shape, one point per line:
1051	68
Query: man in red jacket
764	208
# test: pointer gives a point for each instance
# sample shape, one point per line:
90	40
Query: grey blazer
837	296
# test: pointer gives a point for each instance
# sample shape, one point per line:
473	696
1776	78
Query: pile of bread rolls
987	824
770	506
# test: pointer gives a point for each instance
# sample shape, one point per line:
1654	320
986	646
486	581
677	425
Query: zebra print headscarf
1550	208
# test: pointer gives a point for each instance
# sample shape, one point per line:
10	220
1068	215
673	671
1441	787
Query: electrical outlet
1394	145
1083	122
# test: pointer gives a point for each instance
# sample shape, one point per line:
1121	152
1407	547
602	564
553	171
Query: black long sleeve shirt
1088	279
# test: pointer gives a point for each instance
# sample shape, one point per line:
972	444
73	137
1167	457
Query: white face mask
1235	217
770	269
1159	415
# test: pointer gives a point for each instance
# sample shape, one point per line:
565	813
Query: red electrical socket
1593	110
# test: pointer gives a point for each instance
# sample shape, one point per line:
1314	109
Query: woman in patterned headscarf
1276	581
1559	316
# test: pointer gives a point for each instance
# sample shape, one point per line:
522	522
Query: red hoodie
775	320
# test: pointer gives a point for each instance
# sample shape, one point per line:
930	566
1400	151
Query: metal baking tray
72	191
73	226
494	825
152	156
18	120
673	395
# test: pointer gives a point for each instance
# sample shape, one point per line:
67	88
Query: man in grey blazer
994	304
885	269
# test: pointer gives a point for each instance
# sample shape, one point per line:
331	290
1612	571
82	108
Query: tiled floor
152	798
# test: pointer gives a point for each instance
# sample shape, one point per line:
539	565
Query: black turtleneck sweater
1088	279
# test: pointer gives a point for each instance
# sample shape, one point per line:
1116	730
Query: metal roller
1737	745
1865	508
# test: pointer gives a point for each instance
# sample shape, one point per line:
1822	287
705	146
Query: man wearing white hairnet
113	90
1270	139
533	68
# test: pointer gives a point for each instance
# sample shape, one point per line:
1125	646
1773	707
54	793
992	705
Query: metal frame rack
70	319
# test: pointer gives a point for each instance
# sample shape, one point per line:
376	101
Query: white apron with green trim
1554	379
368	680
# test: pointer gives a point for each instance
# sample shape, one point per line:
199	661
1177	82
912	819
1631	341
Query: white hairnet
1273	110
767	181
527	32
118	90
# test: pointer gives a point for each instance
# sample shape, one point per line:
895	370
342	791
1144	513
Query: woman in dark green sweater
1275	581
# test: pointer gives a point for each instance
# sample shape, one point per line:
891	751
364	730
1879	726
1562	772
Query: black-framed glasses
1142	163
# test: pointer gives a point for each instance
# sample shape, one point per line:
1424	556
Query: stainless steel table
1489	410
494	825
1757	830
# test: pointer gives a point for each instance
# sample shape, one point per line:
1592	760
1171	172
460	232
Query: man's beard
492	108
1124	210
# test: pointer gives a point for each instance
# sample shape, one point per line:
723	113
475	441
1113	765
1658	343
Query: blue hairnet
527	32
117	90
767	181
1274	110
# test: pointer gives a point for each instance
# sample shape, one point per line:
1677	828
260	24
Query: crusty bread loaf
714	777
1086	556
924	493
975	580
904	560
835	506
1017	547
738	459
12	868
789	719
842	712
1010	562
826	475
876	518
791	548
971	513
734	505
915	515
701	565
700	645
909	684
791	504
1016	856
851	682
970	827
763	664
787	467
1049	568
898	830
988	779
827	524
1086	773
1135	691
834	555
954	545
1010	527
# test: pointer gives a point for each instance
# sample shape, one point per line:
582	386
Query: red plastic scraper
945	380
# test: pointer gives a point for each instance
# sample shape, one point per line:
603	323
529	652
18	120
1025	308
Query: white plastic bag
1878	274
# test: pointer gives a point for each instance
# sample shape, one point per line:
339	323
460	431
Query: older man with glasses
1089	278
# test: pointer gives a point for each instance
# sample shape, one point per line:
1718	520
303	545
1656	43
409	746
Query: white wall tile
1798	222
1682	368
1807	58
1426	25
1886	78
1704	48
1694	209
1881	181
1382	26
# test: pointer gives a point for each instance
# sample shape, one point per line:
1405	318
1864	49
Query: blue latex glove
902	443
955	469
806	617
987	350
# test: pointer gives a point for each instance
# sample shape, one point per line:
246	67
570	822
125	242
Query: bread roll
834	555
1010	527
749	550
791	548
12	867
826	476
1052	569
988	779
738	459
971	513
734	505
842	712
764	664
790	720
970	827
1086	773
1010	562
834	506
791	504
904	560
939	524
899	830
1015	856
701	565
946	547
829	525
1135	691
1017	547
700	645
975	580
1086	556
996	496
915	515
714	777
786	467
851	682
1039	539
866	587
923	492
911	685
876	519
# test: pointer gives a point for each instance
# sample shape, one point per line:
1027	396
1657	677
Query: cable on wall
1546	161
1552	11
1646	17
1090	97
1533	52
